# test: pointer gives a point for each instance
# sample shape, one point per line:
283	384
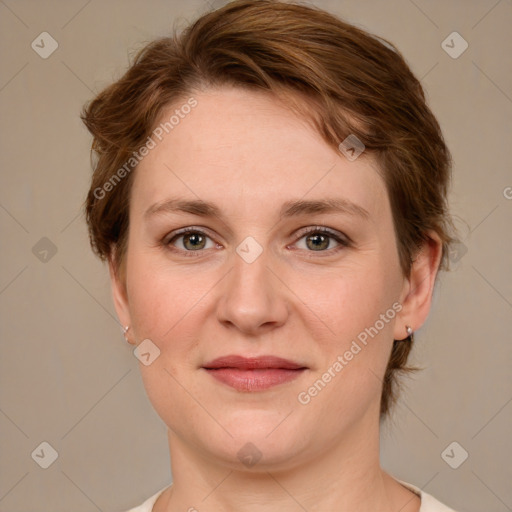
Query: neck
345	476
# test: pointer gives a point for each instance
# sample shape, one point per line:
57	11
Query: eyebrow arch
289	208
330	205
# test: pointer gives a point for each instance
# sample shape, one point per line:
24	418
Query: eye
316	239
320	239
190	240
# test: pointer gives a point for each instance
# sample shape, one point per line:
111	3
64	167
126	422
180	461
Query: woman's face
257	278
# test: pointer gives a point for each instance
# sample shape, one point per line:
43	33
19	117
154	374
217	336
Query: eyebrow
288	209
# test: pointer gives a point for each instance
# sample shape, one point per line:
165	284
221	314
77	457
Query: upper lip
251	363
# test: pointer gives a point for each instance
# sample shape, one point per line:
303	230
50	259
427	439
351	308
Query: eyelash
342	241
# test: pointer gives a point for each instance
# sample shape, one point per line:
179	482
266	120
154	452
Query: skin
248	154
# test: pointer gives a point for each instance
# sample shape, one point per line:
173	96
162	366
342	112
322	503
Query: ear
118	287
418	288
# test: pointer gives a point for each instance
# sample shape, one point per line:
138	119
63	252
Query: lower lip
254	380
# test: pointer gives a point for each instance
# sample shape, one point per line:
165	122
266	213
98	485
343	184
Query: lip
252	363
253	373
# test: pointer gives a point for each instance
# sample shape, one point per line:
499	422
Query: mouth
254	373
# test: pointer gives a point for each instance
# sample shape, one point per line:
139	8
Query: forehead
246	144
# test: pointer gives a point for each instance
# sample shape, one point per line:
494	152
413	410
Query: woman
269	192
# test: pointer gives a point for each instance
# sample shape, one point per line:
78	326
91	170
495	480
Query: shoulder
428	502
147	506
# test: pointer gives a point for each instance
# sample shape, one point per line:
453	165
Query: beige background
67	376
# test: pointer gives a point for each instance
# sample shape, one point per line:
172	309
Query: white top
428	503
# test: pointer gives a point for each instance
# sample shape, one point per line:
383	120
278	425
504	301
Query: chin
261	441
259	455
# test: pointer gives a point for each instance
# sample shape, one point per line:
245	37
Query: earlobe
419	287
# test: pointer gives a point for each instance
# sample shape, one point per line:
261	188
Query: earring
125	330
410	333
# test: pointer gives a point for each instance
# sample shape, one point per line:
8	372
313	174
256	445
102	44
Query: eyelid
337	235
183	231
342	240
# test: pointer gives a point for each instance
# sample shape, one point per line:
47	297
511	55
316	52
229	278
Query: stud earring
410	332
125	330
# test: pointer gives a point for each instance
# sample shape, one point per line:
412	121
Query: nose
253	298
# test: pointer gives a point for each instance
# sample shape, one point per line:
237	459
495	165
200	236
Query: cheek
161	296
357	307
354	341
164	307
349	300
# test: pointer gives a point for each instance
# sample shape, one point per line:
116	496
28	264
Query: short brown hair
351	81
